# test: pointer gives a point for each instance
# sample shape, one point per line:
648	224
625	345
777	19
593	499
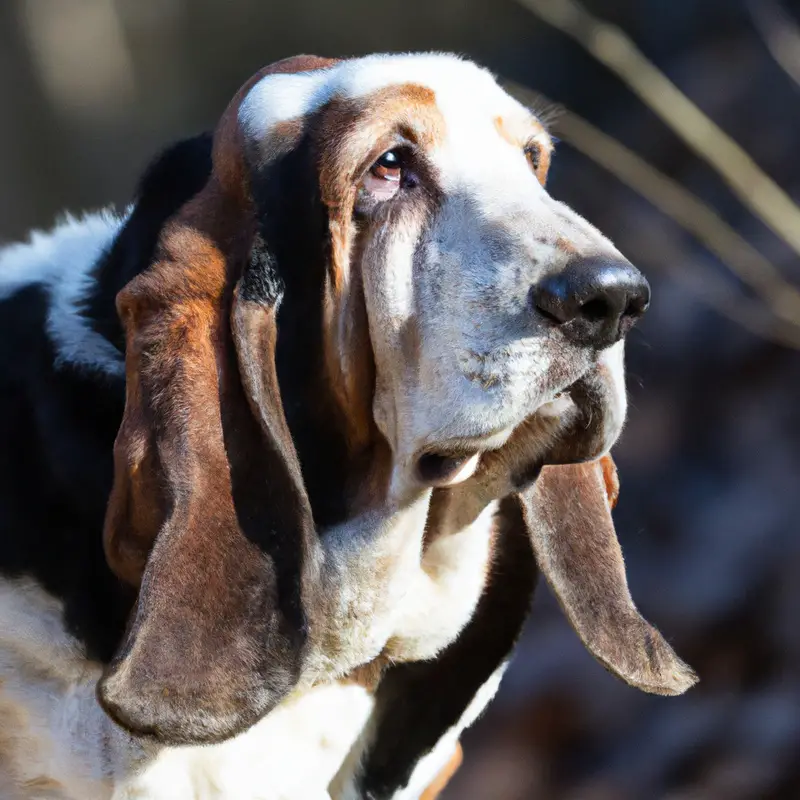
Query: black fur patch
261	282
58	425
178	174
526	476
417	703
57	430
293	226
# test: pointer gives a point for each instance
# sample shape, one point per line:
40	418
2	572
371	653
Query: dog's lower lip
442	468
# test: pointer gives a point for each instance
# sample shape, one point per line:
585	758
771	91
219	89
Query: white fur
613	360
367	565
61	260
380	591
282	97
484	365
62	740
442	596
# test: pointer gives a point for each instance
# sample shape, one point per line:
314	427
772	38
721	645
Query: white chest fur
56	743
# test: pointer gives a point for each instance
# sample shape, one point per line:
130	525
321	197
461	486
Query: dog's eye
539	159
385	177
389	166
533	152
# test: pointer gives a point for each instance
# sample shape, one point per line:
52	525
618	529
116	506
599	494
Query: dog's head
480	296
434	300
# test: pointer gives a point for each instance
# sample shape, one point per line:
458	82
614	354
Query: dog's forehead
461	89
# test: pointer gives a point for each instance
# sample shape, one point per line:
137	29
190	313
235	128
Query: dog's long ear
208	514
567	512
568	515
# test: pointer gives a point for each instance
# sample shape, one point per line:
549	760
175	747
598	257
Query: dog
286	443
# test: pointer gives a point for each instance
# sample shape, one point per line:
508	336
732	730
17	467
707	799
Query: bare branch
613	48
781	34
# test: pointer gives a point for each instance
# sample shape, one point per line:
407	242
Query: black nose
595	302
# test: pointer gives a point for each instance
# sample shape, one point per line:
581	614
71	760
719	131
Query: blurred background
710	460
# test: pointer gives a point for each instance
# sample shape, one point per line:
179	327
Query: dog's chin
577	424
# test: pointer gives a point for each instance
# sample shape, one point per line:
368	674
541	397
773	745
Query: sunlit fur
459	276
62	261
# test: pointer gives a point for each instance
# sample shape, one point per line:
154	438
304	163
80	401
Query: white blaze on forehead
465	92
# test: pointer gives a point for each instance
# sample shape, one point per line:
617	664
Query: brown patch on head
349	136
566	246
544	155
532	137
353	132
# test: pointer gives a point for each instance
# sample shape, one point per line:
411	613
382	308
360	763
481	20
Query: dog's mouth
578	424
448	467
451	463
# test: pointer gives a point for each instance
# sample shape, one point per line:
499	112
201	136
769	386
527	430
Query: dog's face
387	218
485	297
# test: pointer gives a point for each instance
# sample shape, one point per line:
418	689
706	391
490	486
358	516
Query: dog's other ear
208	513
568	515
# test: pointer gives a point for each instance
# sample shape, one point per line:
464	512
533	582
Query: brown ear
208	513
567	512
568	516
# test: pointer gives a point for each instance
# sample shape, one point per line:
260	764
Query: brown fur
350	136
187	447
566	246
568	515
521	138
611	479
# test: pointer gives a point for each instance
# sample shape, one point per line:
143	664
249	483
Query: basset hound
285	444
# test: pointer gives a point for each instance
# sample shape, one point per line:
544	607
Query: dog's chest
64	748
293	754
57	744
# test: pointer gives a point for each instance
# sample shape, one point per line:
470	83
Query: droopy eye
539	159
388	166
533	152
385	177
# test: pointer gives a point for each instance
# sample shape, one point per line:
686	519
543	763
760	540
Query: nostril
634	310
596	310
637	305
